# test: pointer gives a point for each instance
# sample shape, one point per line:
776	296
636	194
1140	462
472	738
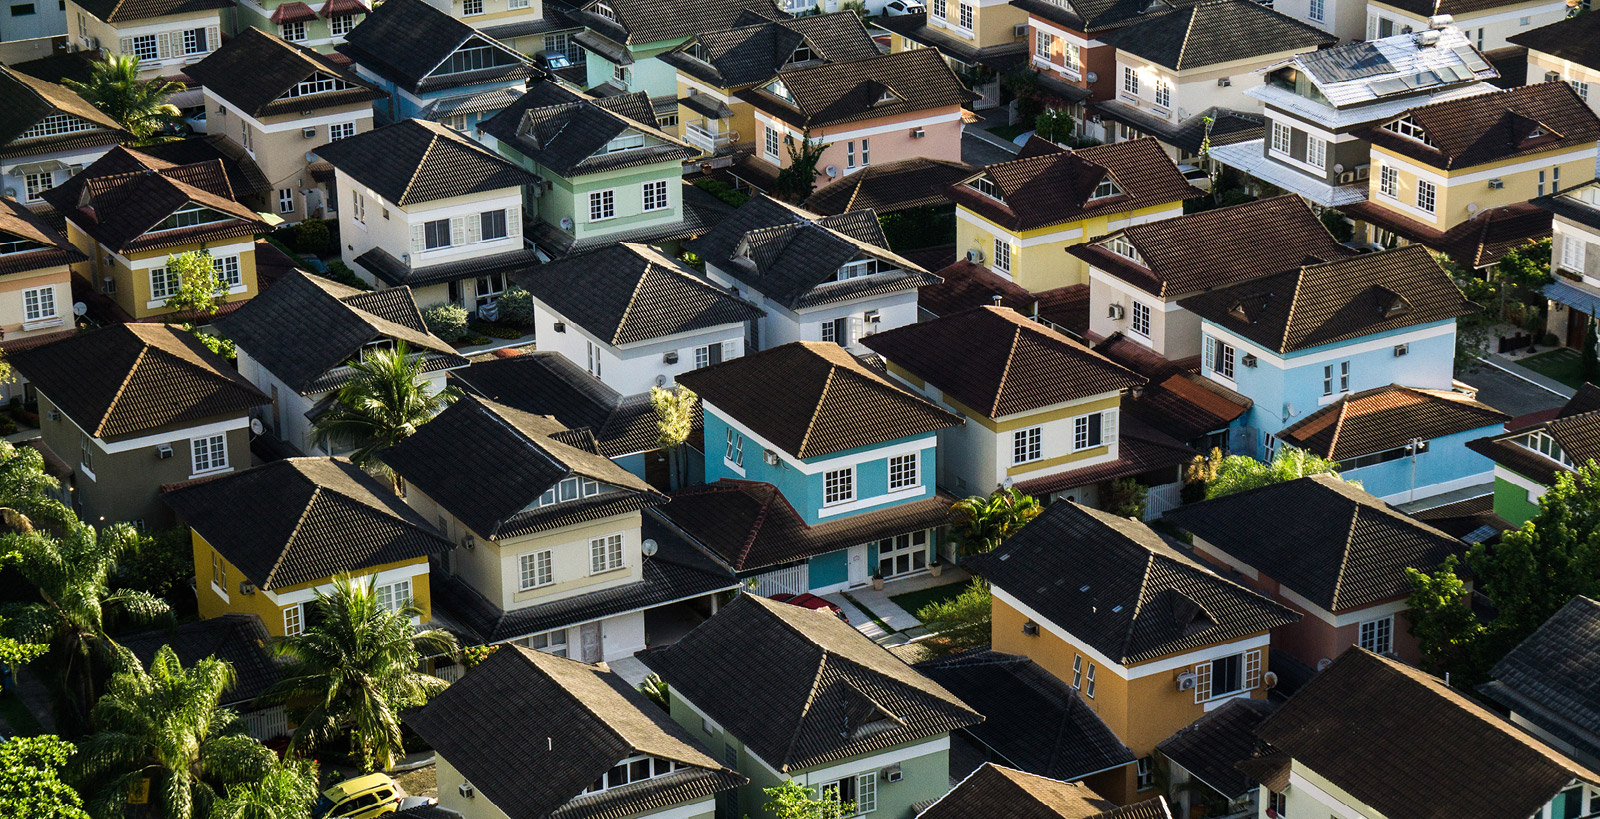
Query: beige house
1566	51
35	279
1489	25
47	133
166	35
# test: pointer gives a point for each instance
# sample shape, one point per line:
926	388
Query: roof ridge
833	371
572	695
316	489
1294	301
811	696
633	299
116	397
756	526
1187	30
1138	600
1344	556
433	142
1016	339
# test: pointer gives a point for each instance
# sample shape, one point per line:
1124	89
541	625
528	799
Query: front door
1577	327
858	565
590	639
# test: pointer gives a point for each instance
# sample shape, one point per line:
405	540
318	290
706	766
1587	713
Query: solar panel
1384	88
1480	534
1471	58
1349	62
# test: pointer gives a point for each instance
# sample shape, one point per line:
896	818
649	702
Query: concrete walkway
903	625
630	669
1464	493
1543	382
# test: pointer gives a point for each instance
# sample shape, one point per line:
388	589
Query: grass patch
16	714
888	629
1564	365
915	601
1009	132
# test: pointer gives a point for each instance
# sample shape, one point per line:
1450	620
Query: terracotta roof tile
1483	128
1387	418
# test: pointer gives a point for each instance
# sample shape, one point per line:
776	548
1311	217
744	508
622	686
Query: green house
1529	457
320	25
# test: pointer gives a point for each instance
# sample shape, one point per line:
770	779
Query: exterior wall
569	198
14	324
1583	78
1193	90
86	28
1487	28
782	325
741	127
1516	498
1039	260
890	137
129	276
1341	148
1447	465
1174	331
1455	190
633	368
15	186
993	22
478	805
646	74
287	416
279	147
1568	231
319	34
43	20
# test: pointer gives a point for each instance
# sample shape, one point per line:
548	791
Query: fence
450	673
1163	498
792	580
267	724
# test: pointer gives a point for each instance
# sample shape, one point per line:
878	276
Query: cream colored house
1489	26
35	279
166	36
1568	51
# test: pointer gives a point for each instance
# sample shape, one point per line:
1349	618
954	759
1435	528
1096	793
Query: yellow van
360	798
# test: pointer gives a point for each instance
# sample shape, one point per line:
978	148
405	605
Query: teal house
784	693
320	25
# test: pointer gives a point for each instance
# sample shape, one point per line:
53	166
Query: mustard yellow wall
133	291
744	114
1453	196
1047	265
992	25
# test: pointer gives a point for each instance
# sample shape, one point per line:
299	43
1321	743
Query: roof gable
572	133
414	161
409	41
1217	31
30	100
1387	418
835	93
1483	128
261	74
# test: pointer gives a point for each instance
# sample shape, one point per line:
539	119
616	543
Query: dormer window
801	55
605	11
625	142
190	215
857	269
778	89
57	124
1408	128
886	96
634	769
1124	248
469	59
569	489
317	84
1104	189
1393	304
985	186
1542	443
17	244
699	52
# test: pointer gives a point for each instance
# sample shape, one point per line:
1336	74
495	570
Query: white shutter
419	239
1202	682
164	45
856	328
514	221
474	228
1108	427
458	230
1252	669
125	46
213	38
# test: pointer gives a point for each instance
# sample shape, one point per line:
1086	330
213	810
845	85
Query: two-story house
1068	58
269	539
1440	170
818	278
1339	560
1018	216
530	734
1150	637
424	206
49	134
1545	682
278	101
433	66
608	172
993	789
838	714
135	407
1565	51
529	26
1574	292
1489	25
1536	449
1318	105
634	318
35	280
320	26
1297	342
129	212
557	552
1337	741
167	36
981	39
297	340
837	487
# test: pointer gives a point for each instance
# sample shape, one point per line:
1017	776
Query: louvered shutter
1108	427
1252	670
514	221
164	45
125	46
213	38
474	228
458	230
856	326
419	238
1202	682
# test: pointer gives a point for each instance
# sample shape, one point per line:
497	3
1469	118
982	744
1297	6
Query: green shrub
722	190
516	306
341	273
497	329
7	425
447	321
312	236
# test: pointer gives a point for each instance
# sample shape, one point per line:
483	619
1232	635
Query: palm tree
70	573
27	492
381	405
354	670
285	793
983	523
166	726
139	106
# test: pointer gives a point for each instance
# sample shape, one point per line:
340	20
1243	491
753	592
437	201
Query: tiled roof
1356	718
1550	678
999	363
641	22
1001	54
885	86
1187	405
414	161
1216	248
406	41
1052	185
309	519
1141	449
17	222
967	285
122	11
757	48
393	272
130	378
29	100
891	186
1343	549
255	71
629	293
1424	8
1476	242
1031	718
1116	585
1387	418
1568	202
1573	38
244	175
1091	16
305	326
1576	428
800	688
1216	31
239	639
1226	126
1209	747
567	132
813	398
531	731
995	791
1484	128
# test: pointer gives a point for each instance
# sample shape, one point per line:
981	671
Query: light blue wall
1447	459
649	74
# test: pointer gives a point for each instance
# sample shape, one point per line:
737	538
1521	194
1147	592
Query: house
1340	561
433	66
238	639
296	343
819	278
1014	793
1195	61
529	26
38	23
312	520
1564	51
318	26
1018	216
634	318
1489	25
1438	167
1297	342
167	36
1546	682
557	552
531	734
129	212
791	694
48	134
917	184
1574	260
1319	104
1536	449
1138	274
609	173
715	66
278	102
425	207
982	40
35	280
1203	758
1338	738
142	406
1150	637
1065	52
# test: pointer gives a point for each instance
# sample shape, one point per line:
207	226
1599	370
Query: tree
983	523
792	800
674	420
140	107
962	622
1128	498
656	689
1236	473
354	670
381	405
30	779
1054	124
200	287
287	792
28	493
166	726
796	182
1448	633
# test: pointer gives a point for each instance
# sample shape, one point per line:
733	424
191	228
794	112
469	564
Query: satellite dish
1092	77
79	308
1338	167
1472	207
566	223
256	427
831	171
1008	482
661	381
649	547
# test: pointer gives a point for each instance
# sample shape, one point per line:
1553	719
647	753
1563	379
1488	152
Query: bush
24	416
216	344
160	564
7	425
447	321
723	191
516	306
312	236
497	329
341	273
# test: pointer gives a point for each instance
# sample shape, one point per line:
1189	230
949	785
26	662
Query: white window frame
203	453
1389	182
286	200
1574	252
341	130
964	16
293	32
1377	635
905	471
1130	80
1081	426
35	184
294	619
341	25
838	486
392	597
1027	445
606	554
771	143
1163	96
1282	138
471	8
1002	254
655	196
145	47
555	642
39	303
1316	152
733	453
1140	323
228	271
536	569
602	205
1427	196
1318	10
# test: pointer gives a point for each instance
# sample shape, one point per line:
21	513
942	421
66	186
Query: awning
1574	295
292	13
47	166
344	8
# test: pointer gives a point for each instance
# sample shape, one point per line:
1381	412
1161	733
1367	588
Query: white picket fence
267	724
1162	499
450	673
792	580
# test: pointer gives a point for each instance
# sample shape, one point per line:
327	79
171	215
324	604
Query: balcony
708	140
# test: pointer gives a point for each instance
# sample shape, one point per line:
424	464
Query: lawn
1009	132
913	602
1564	365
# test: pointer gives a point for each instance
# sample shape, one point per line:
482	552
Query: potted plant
877	580
937	567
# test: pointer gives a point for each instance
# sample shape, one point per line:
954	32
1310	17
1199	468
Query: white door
858	565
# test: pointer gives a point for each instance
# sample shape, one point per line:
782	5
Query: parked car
552	59
895	8
196	121
360	798
811	601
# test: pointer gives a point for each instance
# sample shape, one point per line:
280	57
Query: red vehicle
811	601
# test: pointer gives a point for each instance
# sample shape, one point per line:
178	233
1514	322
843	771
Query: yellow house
129	211
268	539
980	39
1441	172
1018	217
1150	638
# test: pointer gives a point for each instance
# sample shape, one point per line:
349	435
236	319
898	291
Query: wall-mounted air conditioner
1115	312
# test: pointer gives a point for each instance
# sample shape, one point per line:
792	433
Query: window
625	142
837	332
293	32
903	471
39	304
1077	671
392	597
839	486
22	10
471	7
1088	687
1141	318
1086	431
1227	675
144	47
604	11
1043	44
1425	195
227	270
245	137
1408	127
1573	251
293	619
602	205
1069	56
86	456
1146	773
594	358
1539	190
209	453
469	59
621	75
1318	10
1541	442
985	186
561	42
1130	80
860	790
163	284
569	489
1027	445
850	154
536	569
734	454
194	41
1344	376
903	554
1277	805
1002	255
38	183
318	83
655	195
1280	138
1219	357
57	124
1124	248
219	571
1163	94
1581	87
492	225
286	200
1316	152
436	234
770	146
341	130
550	642
965	21
1377	635
1388	182
358	204
940	10
341	25
1107	187
605	553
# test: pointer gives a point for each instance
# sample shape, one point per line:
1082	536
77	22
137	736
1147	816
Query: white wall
782	325
633	368
392	232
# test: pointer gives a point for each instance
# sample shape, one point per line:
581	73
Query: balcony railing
708	140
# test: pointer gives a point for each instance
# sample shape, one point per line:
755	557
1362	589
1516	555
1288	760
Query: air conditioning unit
1224	82
246	587
1030	629
670	357
872	317
1363	171
918	133
1186	681
1019	30
769	457
1347	177
1248	360
1496	184
164	451
465	789
1401	349
1115	312
467	542
55	415
893	774
308	133
1551	76
975	256
560	327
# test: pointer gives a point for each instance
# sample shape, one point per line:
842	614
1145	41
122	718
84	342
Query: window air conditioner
1019	30
1249	360
1224	82
1401	349
769	457
1497	184
55	415
893	774
1115	312
246	587
670	357
465	789
1551	76
308	133
918	133
164	451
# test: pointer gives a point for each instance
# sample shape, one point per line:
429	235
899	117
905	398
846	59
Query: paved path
1514	389
979	147
903	625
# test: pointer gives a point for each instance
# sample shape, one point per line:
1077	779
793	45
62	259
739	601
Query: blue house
821	472
433	66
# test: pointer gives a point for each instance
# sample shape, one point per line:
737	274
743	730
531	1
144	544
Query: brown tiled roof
1573	38
1050	185
1474	130
967	285
891	186
1406	744
643	22
1210	747
757	47
1576	427
999	363
1216	31
837	93
1067	308
1387	418
121	11
414	161
30	99
255	70
995	791
343	8
291	12
1477	242
132	378
17	222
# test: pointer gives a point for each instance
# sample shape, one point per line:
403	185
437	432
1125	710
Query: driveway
1510	394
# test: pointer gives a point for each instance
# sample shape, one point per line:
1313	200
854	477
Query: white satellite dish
831	171
566	223
649	547
1008	482
256	427
1472	207
79	308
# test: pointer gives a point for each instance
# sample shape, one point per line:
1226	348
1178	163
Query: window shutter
1095	438
418	238
1202	682
1205	342
514	221
474	228
1252	670
125	46
458	230
714	353
213	38
1108	426
856	326
164	45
